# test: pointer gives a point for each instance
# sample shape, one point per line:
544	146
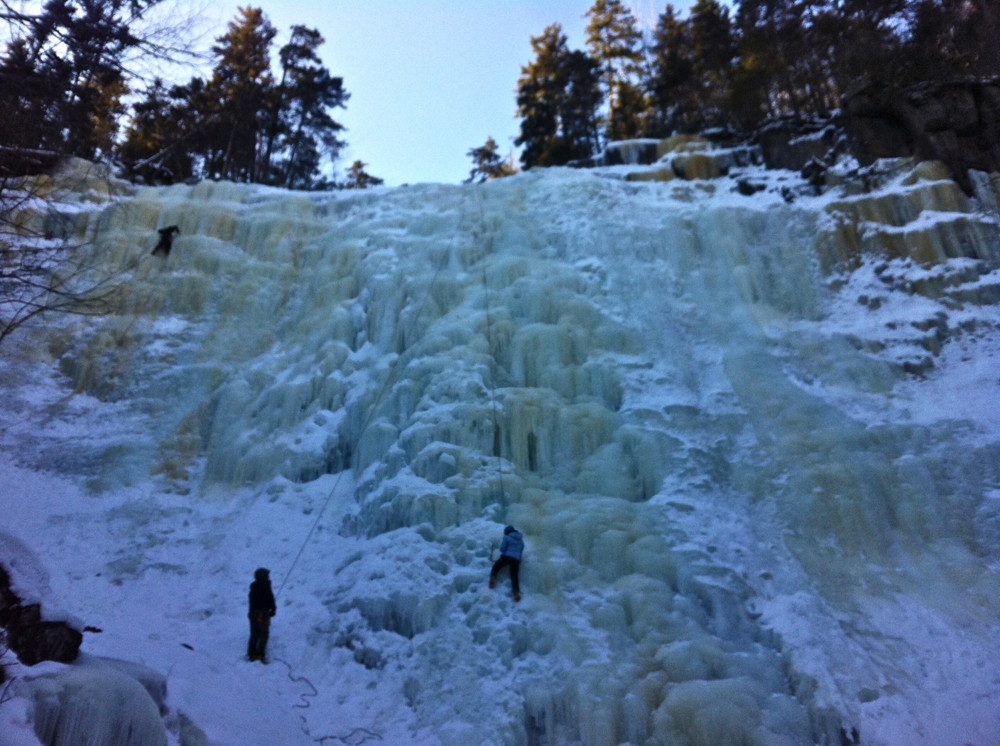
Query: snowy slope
751	443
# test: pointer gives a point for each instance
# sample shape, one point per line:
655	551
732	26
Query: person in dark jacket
510	555
262	608
166	241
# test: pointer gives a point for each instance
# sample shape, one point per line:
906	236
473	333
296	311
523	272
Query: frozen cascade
692	404
98	702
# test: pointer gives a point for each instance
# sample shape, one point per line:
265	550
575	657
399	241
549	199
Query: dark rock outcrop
24	161
791	142
748	188
631	152
31	638
624	152
956	122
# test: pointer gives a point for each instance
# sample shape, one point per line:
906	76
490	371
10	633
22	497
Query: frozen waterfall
752	444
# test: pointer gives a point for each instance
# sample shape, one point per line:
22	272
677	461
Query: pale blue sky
429	79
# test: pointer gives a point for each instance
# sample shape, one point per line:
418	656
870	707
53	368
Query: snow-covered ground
752	442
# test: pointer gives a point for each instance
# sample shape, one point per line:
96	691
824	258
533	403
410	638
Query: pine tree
867	43
615	43
557	97
671	84
241	124
953	37
579	104
358	178
64	73
540	90
488	164
238	97
157	143
772	38
712	53
31	95
306	94
787	59
711	40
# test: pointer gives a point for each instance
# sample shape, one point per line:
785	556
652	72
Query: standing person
262	608
510	554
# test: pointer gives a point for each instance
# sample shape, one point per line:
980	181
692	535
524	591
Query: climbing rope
356	736
305	703
368	419
497	435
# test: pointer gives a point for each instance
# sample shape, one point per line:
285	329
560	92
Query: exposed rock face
956	122
631	152
686	157
792	142
30	638
22	161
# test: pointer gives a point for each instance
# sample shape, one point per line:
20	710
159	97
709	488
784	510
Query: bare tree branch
5	695
42	269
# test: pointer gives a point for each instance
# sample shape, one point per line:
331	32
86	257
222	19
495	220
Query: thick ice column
96	704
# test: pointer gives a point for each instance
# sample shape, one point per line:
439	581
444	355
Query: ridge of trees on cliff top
69	74
717	68
69	83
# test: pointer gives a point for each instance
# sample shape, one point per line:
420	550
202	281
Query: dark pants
260	628
515	566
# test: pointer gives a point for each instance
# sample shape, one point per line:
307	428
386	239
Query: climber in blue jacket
510	554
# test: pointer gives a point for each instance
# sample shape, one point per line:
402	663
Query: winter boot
517	597
493	582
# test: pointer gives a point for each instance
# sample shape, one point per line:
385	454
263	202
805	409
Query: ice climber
510	554
262	608
166	240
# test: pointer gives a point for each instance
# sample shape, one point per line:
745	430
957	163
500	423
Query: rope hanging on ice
497	435
371	414
305	703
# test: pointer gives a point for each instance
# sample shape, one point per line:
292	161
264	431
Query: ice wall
694	404
97	702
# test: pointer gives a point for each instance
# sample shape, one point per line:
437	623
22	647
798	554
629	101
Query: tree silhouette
616	45
238	97
557	97
242	124
358	178
65	72
488	164
671	83
306	94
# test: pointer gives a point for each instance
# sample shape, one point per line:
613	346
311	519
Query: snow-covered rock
34	628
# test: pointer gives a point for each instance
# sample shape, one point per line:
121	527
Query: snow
15	724
751	444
